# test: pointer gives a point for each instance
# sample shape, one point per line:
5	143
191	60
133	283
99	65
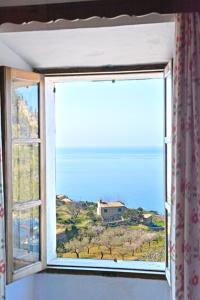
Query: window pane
169	105
26	237
168	214
24	110
169	170
25	172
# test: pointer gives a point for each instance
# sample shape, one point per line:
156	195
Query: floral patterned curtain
185	246
2	240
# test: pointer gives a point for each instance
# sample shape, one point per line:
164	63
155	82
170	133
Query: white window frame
83	264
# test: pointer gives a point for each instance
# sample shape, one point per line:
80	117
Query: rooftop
111	204
146	216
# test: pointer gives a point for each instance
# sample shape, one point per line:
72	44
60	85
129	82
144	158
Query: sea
133	175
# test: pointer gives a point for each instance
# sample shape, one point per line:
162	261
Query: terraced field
82	234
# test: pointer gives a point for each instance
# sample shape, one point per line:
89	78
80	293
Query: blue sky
29	94
126	113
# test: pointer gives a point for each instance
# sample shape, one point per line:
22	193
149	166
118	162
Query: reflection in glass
169	172
168	237
26	237
25	170
24	110
169	105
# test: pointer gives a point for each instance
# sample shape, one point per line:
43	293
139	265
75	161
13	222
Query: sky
124	113
30	94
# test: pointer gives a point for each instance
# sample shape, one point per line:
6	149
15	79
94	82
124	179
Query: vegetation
25	157
83	234
134	215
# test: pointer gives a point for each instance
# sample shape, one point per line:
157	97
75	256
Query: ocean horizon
134	175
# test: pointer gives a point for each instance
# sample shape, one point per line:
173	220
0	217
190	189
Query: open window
117	219
24	171
30	184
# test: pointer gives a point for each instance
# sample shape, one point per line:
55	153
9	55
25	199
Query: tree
74	211
76	246
96	242
89	232
102	251
107	243
157	254
129	236
119	231
149	237
117	242
98	229
133	215
133	247
88	244
60	247
122	251
107	239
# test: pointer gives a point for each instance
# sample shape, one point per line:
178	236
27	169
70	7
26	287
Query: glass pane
24	109
25	172
169	105
26	234
168	214
169	172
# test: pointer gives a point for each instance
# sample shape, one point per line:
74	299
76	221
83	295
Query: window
144	222
24	172
28	182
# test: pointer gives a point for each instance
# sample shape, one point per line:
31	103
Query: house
60	197
110	211
147	219
63	198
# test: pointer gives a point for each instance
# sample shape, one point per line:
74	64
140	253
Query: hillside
81	233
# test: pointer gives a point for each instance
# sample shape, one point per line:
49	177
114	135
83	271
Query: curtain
2	233
185	245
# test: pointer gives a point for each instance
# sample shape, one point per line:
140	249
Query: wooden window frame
7	74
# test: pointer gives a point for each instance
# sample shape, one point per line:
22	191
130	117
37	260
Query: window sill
136	269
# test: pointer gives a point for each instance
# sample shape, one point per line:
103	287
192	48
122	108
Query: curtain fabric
2	233
185	245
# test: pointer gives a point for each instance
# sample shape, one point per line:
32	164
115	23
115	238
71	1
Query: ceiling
99	46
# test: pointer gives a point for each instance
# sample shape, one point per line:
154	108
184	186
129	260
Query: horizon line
105	147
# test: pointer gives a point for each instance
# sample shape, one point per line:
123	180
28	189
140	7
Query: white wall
22	289
11	59
81	287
